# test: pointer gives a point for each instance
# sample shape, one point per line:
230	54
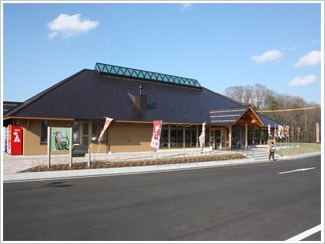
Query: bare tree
262	98
235	92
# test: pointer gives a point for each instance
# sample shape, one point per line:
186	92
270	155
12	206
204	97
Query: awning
240	115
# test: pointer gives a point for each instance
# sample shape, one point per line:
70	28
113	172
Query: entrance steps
258	153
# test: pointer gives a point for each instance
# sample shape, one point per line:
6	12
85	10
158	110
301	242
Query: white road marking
305	234
296	170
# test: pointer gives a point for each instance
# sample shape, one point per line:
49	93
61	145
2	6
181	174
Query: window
190	136
43	136
176	136
96	128
164	137
85	135
76	133
94	132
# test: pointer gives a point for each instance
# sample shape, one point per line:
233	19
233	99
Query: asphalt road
254	202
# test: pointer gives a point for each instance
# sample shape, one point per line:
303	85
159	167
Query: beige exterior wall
122	137
130	137
125	137
32	133
31	137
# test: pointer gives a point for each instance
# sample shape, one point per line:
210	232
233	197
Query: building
135	98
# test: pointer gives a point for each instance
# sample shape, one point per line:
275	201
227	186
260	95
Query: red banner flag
156	131
107	123
275	133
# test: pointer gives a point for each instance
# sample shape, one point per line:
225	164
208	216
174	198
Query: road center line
305	234
296	170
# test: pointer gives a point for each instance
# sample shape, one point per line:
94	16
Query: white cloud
70	25
267	56
290	49
187	6
302	81
310	59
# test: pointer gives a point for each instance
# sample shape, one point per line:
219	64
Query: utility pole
317	133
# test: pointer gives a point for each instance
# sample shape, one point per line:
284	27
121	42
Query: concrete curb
81	173
304	155
49	175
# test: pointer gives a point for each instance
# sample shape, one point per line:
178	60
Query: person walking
272	150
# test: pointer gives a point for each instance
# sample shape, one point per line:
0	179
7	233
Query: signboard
60	139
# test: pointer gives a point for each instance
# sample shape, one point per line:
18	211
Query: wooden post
49	146
246	136
70	148
89	150
184	138
169	136
230	137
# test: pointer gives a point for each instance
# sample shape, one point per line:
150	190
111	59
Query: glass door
217	138
85	134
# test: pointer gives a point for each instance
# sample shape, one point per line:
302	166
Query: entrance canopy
240	115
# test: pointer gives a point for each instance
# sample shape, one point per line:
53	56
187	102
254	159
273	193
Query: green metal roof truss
147	75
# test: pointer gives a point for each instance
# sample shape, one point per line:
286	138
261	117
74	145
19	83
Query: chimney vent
141	101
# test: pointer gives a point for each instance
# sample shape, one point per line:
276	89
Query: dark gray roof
226	115
239	115
7	106
267	121
89	95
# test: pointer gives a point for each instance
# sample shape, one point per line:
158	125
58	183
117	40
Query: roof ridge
225	97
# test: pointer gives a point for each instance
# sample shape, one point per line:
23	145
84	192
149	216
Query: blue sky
219	44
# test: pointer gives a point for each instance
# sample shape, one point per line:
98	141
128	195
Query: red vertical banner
156	131
106	125
282	131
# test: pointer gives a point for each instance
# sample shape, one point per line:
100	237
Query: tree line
296	112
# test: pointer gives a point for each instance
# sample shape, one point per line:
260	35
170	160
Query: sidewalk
16	164
13	165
